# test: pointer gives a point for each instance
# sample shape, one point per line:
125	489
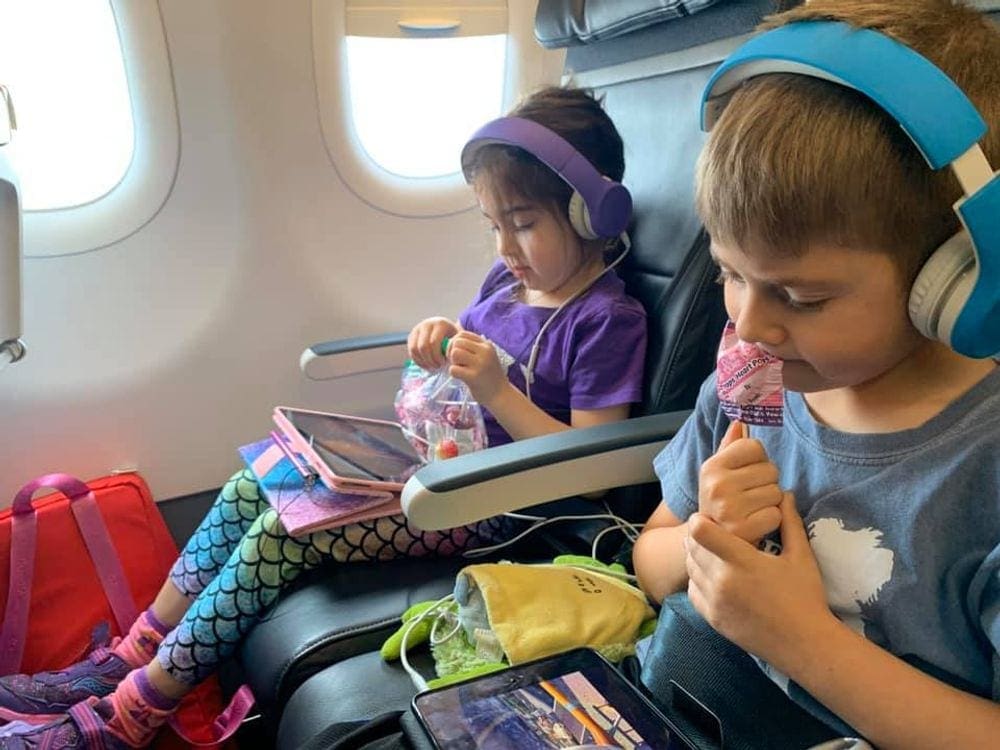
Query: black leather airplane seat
650	60
650	63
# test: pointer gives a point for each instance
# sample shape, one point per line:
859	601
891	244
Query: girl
550	279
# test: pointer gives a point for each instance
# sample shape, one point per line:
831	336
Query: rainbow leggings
239	559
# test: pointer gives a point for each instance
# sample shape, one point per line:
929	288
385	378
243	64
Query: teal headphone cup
956	295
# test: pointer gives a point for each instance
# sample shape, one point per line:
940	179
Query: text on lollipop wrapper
748	381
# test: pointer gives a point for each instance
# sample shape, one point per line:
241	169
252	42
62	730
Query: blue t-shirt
905	525
591	357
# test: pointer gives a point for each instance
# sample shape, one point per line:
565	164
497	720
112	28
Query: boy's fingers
734	432
759	524
793	529
709	540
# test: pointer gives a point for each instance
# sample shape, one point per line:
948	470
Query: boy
885	479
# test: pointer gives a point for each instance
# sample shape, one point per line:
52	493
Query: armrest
343	357
528	472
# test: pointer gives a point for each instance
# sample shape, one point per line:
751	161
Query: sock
138	709
138	647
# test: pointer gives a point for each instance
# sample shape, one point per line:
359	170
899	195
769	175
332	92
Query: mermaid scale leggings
239	559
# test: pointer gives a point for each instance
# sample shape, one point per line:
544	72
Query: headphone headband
943	124
900	80
608	203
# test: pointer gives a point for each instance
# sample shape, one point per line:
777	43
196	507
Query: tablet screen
356	448
570	701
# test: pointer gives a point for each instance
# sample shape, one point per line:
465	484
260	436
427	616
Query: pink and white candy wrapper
748	381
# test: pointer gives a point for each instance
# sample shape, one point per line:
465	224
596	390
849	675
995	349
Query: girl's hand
766	604
475	362
738	487
424	342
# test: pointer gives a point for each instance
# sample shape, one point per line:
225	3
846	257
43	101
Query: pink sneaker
85	725
41	697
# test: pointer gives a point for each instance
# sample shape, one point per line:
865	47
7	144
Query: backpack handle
24	533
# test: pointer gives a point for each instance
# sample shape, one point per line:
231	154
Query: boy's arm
891	703
658	555
775	606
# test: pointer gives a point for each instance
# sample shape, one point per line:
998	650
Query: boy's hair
796	160
577	116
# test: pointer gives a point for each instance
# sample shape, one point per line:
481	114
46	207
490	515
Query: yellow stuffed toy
506	613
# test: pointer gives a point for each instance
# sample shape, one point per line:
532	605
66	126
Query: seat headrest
566	23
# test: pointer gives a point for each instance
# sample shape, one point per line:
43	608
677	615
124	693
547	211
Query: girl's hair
796	161
573	113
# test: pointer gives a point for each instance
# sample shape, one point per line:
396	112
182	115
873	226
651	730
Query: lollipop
748	381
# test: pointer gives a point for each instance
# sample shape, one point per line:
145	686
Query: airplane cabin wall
168	349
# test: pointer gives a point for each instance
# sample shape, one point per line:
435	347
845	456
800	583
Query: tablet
573	700
355	450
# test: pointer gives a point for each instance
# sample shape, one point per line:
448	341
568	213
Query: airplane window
400	85
416	101
98	139
67	81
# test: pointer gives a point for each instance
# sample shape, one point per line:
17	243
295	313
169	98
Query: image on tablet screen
564	712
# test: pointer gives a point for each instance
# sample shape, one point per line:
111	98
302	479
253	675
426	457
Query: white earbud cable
529	373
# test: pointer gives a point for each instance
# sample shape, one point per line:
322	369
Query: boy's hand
766	604
738	487
475	362
424	342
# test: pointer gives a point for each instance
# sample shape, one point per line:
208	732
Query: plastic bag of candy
438	412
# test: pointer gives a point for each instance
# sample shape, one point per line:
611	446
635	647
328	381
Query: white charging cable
415	677
628	528
529	372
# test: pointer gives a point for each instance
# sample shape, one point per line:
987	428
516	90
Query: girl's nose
505	244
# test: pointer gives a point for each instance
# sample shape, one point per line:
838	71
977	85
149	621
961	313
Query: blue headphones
956	296
599	207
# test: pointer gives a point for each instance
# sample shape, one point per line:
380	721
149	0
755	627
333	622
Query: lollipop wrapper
748	381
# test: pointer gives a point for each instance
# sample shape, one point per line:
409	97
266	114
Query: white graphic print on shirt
855	567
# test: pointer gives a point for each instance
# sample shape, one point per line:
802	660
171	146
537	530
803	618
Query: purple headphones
600	207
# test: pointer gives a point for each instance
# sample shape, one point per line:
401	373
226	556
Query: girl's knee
269	522
245	484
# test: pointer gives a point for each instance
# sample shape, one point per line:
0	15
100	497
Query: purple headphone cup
609	203
614	209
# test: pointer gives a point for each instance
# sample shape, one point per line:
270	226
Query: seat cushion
333	613
322	700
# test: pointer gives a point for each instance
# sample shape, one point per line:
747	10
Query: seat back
650	61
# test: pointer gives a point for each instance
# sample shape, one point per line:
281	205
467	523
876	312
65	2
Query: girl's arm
523	419
474	361
658	555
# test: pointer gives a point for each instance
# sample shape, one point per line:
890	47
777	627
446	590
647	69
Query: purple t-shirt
591	357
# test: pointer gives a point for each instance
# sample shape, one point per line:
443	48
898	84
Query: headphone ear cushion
932	309
579	217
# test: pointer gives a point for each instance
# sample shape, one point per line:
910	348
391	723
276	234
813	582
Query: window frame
526	66
150	176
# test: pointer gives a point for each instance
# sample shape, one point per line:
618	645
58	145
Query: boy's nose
757	323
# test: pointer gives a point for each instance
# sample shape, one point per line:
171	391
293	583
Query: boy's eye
523	226
805	305
726	277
